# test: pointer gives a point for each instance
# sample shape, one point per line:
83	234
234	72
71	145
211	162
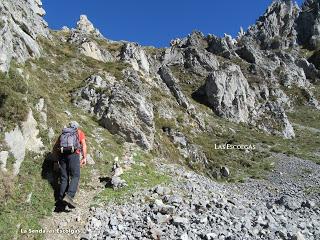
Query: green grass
46	81
13	105
141	175
15	212
306	116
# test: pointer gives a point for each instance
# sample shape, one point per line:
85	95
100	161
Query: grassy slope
46	81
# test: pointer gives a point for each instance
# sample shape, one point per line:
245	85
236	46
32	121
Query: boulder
224	171
93	96
117	182
180	221
173	56
310	71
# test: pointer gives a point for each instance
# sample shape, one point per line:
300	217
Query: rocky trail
283	205
67	224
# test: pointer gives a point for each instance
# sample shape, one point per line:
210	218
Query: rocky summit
212	137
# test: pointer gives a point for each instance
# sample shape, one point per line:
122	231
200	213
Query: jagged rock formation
308	24
21	24
21	140
133	54
120	109
229	95
172	84
84	36
85	26
275	29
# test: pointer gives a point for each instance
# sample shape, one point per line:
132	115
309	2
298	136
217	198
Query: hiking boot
69	201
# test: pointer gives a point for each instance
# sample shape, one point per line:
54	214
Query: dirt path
68	225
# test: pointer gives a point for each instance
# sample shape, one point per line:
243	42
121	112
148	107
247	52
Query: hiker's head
74	124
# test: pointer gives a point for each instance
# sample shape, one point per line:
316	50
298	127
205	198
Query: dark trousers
70	174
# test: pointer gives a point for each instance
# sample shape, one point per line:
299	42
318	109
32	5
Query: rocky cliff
149	107
21	24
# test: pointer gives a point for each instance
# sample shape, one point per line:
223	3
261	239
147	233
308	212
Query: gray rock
172	84
3	160
184	236
117	182
130	115
308	24
289	202
162	218
22	139
95	223
225	172
298	236
200	60
308	204
91	49
162	190
155	233
85	26
219	46
180	221
133	54
211	236
229	94
113	221
276	28
90	160
21	25
175	200
309	69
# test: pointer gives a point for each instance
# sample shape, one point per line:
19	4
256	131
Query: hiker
70	146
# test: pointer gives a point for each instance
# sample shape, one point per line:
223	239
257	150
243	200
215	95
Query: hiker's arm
84	152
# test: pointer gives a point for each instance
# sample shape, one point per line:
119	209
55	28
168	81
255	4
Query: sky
156	23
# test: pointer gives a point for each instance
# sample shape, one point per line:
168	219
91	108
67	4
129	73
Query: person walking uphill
70	146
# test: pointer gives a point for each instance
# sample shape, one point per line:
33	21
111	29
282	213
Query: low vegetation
142	174
29	197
